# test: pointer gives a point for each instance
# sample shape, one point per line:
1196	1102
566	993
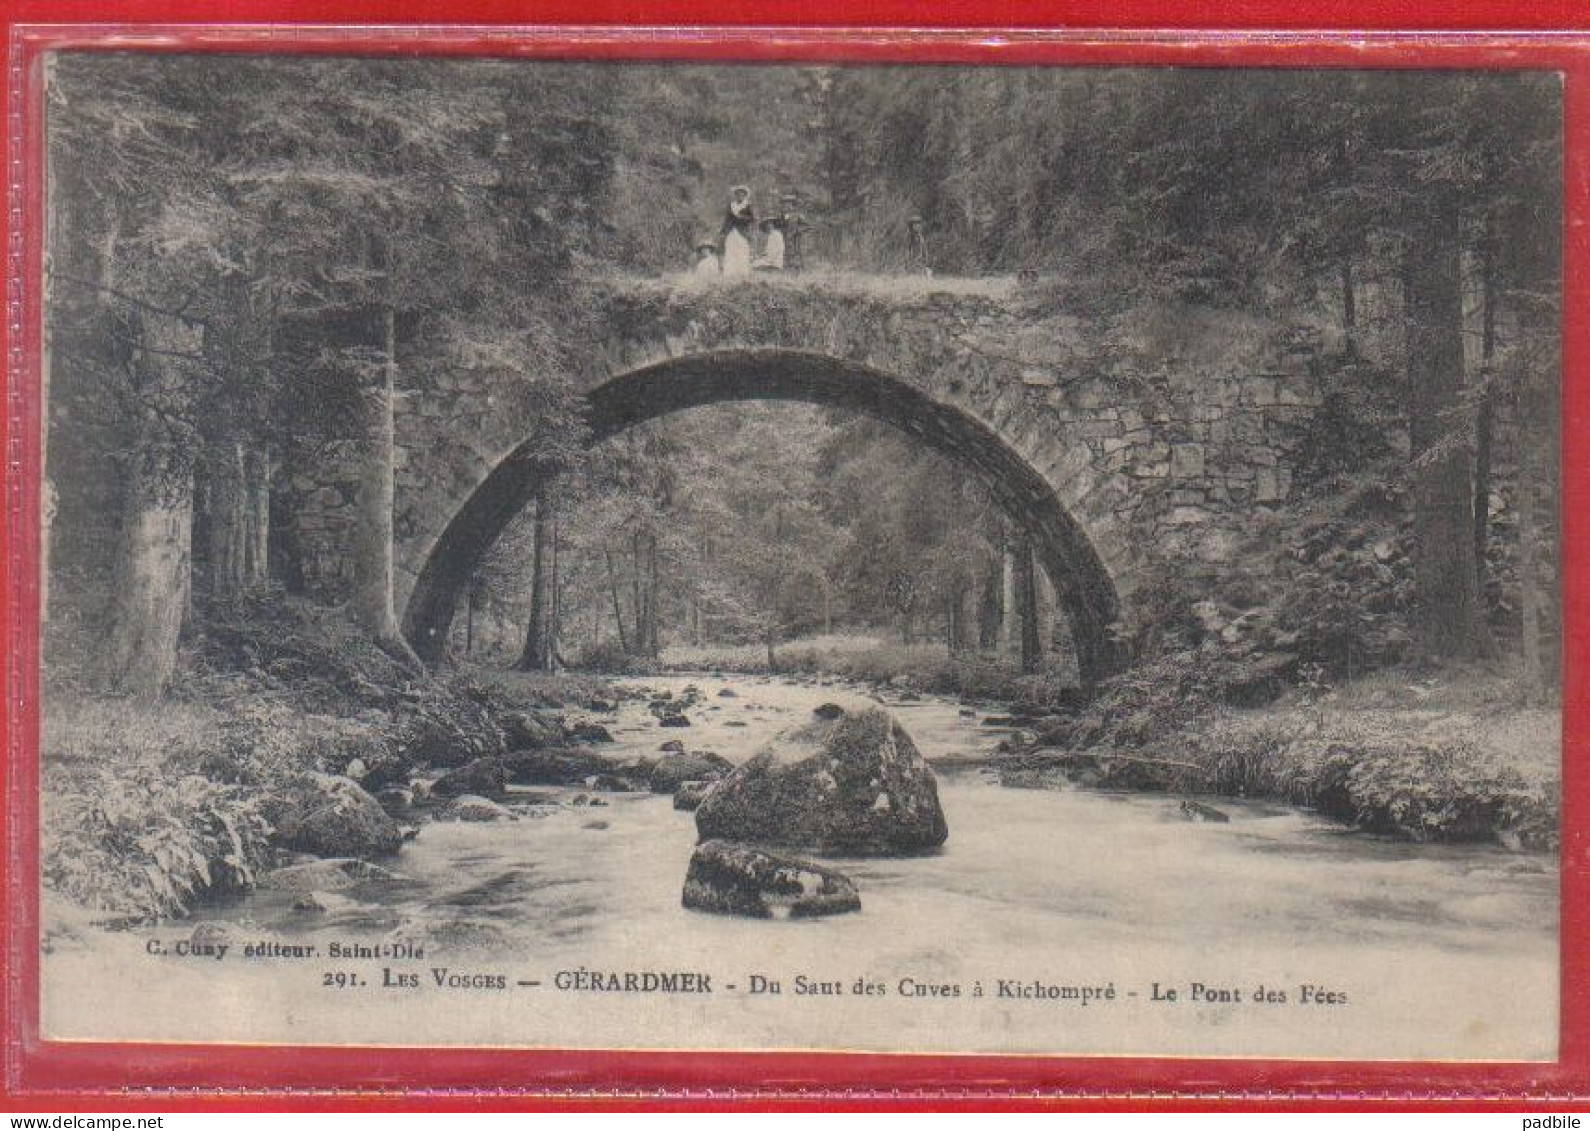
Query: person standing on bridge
772	258
916	251
738	225
794	226
706	259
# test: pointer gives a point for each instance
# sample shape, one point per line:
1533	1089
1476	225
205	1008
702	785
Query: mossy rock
740	879
853	786
333	817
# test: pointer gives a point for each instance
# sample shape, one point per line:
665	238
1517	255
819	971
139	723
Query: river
1198	929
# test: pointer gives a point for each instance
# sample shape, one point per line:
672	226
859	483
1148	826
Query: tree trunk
1063	646
618	606
555	628
637	593
283	552
223	493
1450	617
372	528
1048	604
1026	586
153	551
256	515
1529	603
536	656
1485	422
151	574
234	489
1349	304
653	601
696	624
237	518
1484	427
991	607
1009	611
1536	468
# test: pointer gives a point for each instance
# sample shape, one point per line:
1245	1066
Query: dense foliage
253	258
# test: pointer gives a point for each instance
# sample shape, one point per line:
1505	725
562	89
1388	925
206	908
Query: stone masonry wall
1152	441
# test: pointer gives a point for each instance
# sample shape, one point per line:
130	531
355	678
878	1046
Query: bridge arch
1083	582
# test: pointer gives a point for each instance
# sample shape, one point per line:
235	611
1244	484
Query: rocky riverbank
289	737
1450	758
1458	756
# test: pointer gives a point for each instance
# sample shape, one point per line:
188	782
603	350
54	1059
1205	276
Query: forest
250	259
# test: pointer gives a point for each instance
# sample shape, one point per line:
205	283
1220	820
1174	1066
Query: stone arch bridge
1107	459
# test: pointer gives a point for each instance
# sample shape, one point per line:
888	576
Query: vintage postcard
926	559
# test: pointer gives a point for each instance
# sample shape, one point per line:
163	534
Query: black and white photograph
970	559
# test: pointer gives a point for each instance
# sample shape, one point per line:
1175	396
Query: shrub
140	841
607	656
1140	707
1247	764
1446	793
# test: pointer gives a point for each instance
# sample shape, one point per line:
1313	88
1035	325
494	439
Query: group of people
735	250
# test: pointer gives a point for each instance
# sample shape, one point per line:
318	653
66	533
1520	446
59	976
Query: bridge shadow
1085	588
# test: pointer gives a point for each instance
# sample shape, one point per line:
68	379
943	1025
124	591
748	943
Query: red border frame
57	1076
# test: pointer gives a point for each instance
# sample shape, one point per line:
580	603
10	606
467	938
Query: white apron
773	250
736	254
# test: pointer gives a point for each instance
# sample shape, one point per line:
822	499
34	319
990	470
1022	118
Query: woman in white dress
738	224
706	258
772	245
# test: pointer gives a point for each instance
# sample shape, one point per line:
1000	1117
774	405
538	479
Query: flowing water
1052	921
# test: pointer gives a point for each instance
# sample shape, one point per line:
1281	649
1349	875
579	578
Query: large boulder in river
672	772
586	732
484	775
382	773
851	786
738	879
477	809
461	733
332	816
531	730
567	765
